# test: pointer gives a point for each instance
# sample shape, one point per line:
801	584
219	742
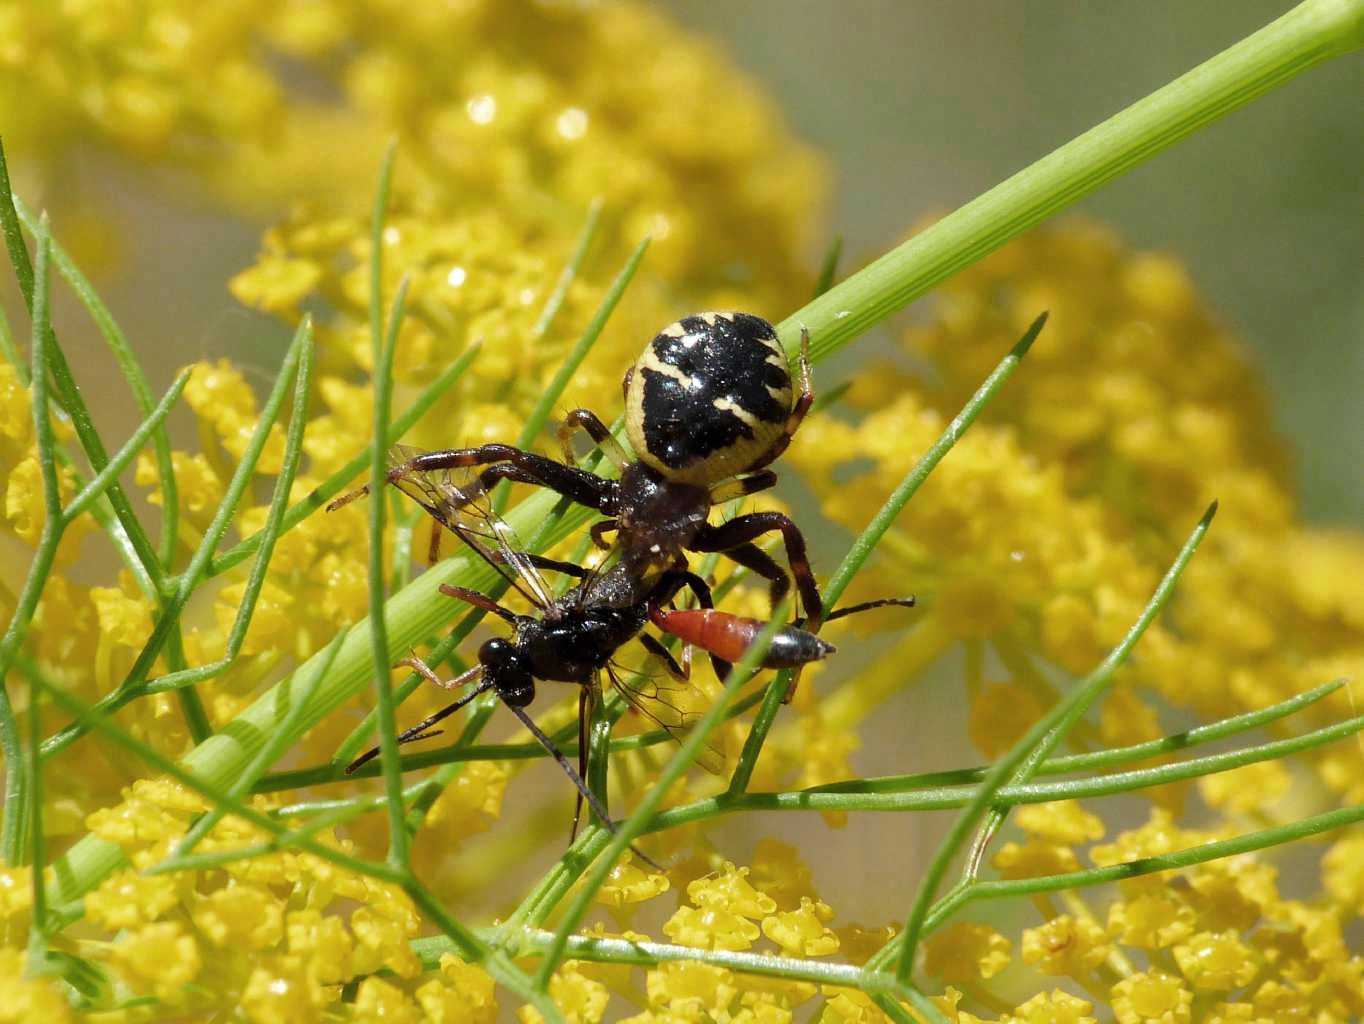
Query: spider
709	406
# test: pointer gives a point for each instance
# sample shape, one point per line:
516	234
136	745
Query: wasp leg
802	406
423	728
725	537
853	609
682	672
574	777
742	486
584	715
588	422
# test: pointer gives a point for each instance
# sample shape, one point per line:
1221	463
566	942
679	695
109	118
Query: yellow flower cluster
1220	934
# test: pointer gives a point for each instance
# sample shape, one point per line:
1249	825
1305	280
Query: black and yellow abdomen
709	396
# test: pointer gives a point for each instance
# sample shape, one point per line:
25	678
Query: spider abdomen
708	397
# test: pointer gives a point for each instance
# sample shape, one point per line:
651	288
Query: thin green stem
134	683
211	791
555	302
37	836
535	422
65	390
1101	758
475	949
383	683
20	781
266	756
862	548
634	825
828	269
98	484
246	607
534	941
1307	35
1036	744
335	483
132	373
1263	839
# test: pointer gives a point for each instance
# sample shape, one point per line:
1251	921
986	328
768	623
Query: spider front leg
505	462
589	423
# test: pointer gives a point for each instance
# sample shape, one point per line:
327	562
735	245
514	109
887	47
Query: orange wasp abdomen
730	636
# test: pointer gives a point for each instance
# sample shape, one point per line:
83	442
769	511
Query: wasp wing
457	499
665	701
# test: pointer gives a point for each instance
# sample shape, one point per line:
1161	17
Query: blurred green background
921	105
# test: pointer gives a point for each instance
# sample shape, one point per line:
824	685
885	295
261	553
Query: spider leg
737	532
588	422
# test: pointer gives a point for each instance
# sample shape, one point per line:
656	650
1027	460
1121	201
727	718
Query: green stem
21	782
862	548
132	373
134	683
334	484
1312	32
1036	744
634	825
398	849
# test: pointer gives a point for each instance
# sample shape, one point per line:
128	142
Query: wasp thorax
708	397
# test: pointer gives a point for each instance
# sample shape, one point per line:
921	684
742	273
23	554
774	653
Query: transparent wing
667	702
457	499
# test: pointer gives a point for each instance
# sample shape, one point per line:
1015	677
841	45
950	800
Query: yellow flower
382	941
1063	821
323	943
279	991
466	994
24	1000
730	889
1246	790
1215	962
379	1002
125	618
630	884
1152	919
273	623
1065	945
1056	1007
240	916
689	989
966	952
1033	859
803	932
578	997
710	928
1151	997
276	284
160	954
128	900
1342	871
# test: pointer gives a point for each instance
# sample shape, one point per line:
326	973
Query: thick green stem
1310	33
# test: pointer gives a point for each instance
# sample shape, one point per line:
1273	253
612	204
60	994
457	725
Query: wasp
574	637
709	405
